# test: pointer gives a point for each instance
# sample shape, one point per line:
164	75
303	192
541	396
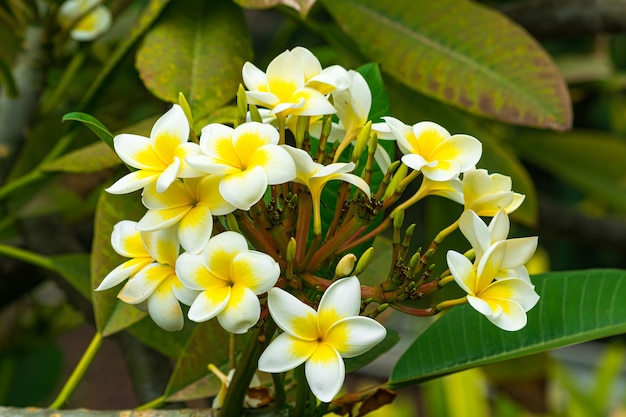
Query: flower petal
286	352
220	251
134	181
164	308
192	272
168	176
216	142
123	271
195	229
176	195
161	219
518	251
242	311
340	300
162	245
325	372
208	193
255	270
276	162
169	132
126	240
475	231
144	283
244	189
136	151
209	303
253	78
292	315
462	270
354	336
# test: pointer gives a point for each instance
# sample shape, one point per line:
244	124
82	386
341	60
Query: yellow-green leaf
91	158
197	48
461	53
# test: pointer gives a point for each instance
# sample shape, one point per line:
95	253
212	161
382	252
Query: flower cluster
235	225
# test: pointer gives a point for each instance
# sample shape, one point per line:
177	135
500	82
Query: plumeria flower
153	282
482	236
229	276
429	148
159	158
247	158
504	301
189	205
294	83
86	19
320	339
450	189
315	176
487	194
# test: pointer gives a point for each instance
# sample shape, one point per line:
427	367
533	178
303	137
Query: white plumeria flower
518	251
294	84
153	282
159	158
229	276
189	205
487	194
320	339
315	176
86	19
247	158
504	301
429	148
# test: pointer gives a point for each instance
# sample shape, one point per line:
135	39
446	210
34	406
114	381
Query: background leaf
301	6
93	124
590	160
91	158
460	53
197	48
574	307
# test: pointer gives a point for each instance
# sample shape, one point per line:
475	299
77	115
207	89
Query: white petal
415	161
195	229
325	373
244	189
309	64
164	308
219	252
255	270
499	226
168	176
292	315
462	270
183	293
253	78
193	274
342	299
176	195
132	182
475	231
285	353
276	162
518	251
209	304
162	245
215	138
144	283
136	151
121	272
161	219
354	336
126	240
169	132
242	311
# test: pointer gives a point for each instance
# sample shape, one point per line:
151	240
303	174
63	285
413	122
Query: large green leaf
575	307
74	268
592	161
91	158
197	48
461	53
111	314
93	124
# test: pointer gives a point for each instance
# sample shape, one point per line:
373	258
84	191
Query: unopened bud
242	103
182	102
364	261
255	116
399	175
291	250
361	141
398	219
345	266
231	222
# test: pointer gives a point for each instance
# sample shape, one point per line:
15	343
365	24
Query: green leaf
461	53
91	158
75	269
197	48
380	101
168	343
590	160
574	307
93	124
111	314
191	367
301	6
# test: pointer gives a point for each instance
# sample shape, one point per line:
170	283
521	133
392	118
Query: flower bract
229	277
320	339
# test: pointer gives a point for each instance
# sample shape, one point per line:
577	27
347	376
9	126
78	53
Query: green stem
71	384
246	367
26	256
156	403
302	393
451	303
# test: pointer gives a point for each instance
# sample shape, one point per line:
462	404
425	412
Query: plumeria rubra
273	248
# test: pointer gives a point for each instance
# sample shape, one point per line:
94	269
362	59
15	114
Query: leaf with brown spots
197	48
461	53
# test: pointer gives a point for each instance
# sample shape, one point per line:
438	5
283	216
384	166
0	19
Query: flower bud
291	250
364	261
345	266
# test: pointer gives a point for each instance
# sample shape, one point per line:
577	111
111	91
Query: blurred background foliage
542	83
